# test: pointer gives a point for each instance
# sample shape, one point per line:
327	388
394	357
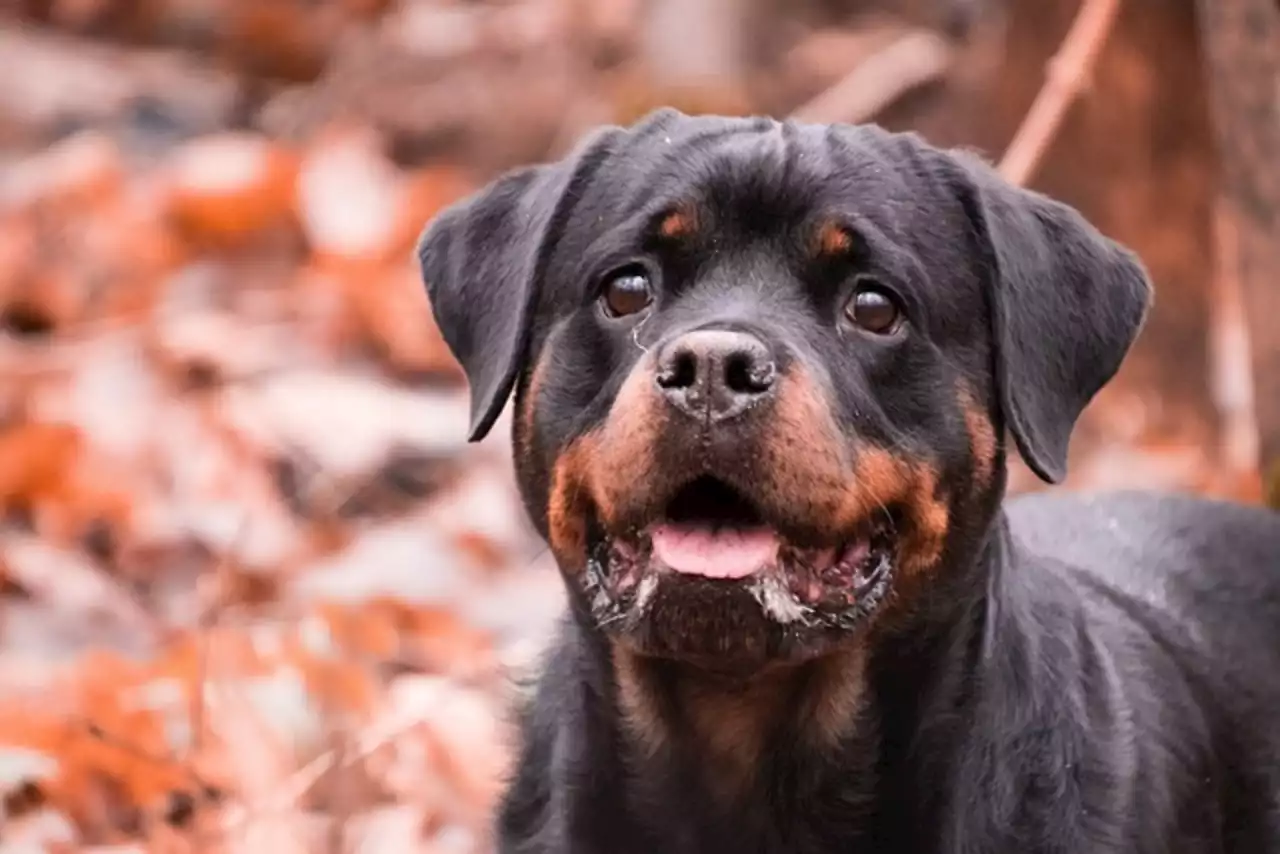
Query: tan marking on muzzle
810	463
596	468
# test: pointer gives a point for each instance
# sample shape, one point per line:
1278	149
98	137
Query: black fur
1071	674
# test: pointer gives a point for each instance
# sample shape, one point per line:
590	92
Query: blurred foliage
255	590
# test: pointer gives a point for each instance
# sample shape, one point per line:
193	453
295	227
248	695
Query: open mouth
713	534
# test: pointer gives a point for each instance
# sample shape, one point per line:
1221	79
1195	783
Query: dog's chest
782	817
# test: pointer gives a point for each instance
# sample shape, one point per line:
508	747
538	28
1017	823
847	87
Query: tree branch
913	59
1068	74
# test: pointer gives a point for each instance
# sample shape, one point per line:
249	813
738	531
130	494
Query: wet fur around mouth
1041	675
799	589
811	595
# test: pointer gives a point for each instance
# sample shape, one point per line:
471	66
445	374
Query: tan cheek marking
567	506
803	450
932	520
623	455
536	378
809	461
880	480
599	467
524	422
982	438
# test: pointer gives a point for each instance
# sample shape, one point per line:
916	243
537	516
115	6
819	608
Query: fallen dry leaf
350	197
228	187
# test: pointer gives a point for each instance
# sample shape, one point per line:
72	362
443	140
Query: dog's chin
728	591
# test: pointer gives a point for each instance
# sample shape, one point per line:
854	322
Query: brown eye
628	291
874	310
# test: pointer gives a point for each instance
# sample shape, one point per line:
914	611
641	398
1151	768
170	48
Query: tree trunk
1242	49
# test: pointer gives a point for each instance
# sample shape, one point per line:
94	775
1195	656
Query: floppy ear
483	260
1067	304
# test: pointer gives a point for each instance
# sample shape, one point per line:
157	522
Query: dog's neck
711	741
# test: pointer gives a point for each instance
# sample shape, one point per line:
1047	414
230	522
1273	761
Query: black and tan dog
763	373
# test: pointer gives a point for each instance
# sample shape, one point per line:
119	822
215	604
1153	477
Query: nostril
680	371
746	374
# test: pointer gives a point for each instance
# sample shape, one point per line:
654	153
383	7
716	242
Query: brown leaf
228	187
351	199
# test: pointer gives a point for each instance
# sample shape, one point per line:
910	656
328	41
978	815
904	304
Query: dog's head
763	370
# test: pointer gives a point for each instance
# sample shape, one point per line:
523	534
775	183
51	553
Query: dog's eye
874	310
626	292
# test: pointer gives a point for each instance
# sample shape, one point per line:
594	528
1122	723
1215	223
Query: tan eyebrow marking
679	223
833	239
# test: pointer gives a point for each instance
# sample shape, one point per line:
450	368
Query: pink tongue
714	554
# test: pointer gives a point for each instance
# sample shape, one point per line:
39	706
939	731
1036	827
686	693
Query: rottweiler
764	374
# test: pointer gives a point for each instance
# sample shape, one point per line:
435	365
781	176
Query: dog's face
763	370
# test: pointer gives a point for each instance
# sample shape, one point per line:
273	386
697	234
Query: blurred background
256	593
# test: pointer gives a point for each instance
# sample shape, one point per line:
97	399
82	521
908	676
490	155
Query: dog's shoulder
1188	578
1150	544
1127	632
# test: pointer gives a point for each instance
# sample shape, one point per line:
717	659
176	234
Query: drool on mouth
711	532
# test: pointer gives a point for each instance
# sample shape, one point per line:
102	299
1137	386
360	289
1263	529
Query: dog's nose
715	373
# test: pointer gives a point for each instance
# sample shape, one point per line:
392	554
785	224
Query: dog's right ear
483	259
1067	305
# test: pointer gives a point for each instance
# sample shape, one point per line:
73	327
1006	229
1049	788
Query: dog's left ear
1067	302
483	260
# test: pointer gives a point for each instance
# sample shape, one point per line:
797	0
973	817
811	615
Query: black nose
715	374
